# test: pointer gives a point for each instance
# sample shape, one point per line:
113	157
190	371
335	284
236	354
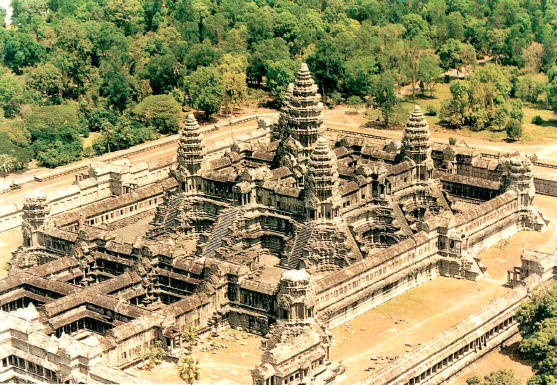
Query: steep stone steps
220	230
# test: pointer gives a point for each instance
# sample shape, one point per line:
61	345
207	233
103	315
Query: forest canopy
111	61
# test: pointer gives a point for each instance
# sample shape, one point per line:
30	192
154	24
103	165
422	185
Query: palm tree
190	335
189	369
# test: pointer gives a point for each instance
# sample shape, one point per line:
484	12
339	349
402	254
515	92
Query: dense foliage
500	377
537	320
107	58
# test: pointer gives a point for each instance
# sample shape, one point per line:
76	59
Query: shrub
452	141
431	110
354	101
537	120
335	98
514	129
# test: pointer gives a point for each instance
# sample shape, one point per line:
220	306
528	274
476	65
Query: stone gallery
285	239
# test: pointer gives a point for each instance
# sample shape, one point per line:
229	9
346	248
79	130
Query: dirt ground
9	241
129	233
506	254
388	331
230	365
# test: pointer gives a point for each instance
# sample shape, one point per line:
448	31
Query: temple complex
284	239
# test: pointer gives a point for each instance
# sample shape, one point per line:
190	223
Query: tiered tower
190	152
519	175
416	144
322	176
35	212
303	112
322	183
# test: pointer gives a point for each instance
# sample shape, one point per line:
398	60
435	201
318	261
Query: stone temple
285	239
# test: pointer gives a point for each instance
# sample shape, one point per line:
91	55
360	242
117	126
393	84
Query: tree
274	49
428	71
19	50
531	87
414	26
513	129
7	164
533	57
190	335
152	355
500	377
160	112
233	72
359	75
383	95
163	72
124	134
279	74
414	49
55	134
11	94
205	90
552	95
188	369
119	89
326	65
48	81
454	54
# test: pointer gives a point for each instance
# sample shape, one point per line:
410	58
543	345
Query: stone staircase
303	234
220	230
172	211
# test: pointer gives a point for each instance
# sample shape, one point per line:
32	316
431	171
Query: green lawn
88	142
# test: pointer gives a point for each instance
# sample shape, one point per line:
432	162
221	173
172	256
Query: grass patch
545	133
88	142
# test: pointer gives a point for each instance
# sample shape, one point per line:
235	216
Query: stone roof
114	203
483	208
467	180
370	262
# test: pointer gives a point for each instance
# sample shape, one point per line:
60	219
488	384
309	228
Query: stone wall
346	294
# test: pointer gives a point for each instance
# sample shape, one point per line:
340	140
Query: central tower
304	112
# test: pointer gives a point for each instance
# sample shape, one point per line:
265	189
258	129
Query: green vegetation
537	320
188	369
128	68
500	377
152	356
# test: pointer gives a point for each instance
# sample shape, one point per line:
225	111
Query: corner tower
35	212
190	153
304	112
416	144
